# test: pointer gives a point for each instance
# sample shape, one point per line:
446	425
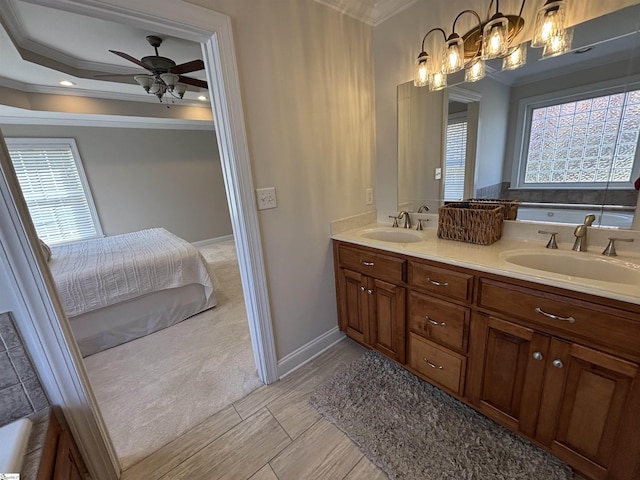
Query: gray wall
143	178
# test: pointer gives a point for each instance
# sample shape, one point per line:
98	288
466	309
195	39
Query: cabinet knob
370	292
558	363
362	288
537	356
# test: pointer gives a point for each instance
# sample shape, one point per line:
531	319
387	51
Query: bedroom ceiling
41	46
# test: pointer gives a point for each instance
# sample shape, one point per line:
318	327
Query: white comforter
101	272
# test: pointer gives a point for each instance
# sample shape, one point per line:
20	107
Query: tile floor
273	433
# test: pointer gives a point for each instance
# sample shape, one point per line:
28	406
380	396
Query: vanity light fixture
423	73
493	38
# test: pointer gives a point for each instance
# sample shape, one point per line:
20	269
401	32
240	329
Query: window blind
55	189
455	159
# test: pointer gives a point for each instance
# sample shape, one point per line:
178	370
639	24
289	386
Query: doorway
48	336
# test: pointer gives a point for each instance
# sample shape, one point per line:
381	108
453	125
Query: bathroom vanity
552	357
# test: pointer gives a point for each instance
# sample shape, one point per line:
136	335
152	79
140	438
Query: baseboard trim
212	241
306	353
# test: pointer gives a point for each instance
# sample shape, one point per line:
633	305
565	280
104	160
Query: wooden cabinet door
69	464
507	369
387	318
583	405
354	305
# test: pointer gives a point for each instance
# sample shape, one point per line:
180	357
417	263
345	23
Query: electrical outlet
438	174
368	195
266	198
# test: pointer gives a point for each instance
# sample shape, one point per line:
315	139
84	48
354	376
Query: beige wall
307	85
396	44
143	178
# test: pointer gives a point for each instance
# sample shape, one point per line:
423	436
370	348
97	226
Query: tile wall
20	391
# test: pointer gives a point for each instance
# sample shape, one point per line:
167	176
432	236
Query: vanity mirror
558	134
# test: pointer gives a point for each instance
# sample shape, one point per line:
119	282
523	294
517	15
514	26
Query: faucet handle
589	219
552	241
610	251
395	221
420	220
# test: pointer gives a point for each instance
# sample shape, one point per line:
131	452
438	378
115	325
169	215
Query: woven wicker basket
471	222
510	205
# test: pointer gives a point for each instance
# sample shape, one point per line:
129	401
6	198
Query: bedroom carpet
154	389
412	430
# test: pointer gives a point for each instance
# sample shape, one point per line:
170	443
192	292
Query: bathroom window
455	158
590	142
55	188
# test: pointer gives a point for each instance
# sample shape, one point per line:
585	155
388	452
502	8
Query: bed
119	288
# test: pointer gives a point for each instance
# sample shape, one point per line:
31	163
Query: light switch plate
438	174
368	196
266	198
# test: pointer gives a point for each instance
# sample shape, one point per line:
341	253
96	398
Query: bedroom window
55	188
587	143
455	158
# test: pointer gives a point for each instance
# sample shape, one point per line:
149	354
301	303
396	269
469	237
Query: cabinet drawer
441	281
438	364
608	326
440	321
377	265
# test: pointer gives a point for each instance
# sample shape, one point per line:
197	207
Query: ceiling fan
164	77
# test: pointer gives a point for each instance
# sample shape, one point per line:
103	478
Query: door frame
42	322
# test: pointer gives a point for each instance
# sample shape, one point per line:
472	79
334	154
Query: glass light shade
475	71
453	56
516	58
179	89
558	44
549	23
170	79
495	38
421	75
145	81
437	81
158	88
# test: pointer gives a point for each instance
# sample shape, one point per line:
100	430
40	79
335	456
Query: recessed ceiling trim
91	120
79	92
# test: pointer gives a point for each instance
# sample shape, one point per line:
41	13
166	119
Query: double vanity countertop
591	272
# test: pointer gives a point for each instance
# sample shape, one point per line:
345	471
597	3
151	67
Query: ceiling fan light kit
165	79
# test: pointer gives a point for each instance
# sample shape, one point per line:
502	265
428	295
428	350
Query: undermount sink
395	235
576	264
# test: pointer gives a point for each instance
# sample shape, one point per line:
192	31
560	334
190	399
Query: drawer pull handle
432	365
433	322
367	264
437	284
555	317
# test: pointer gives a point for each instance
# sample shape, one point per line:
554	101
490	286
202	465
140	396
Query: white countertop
488	258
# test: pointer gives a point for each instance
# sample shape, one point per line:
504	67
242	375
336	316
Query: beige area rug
155	388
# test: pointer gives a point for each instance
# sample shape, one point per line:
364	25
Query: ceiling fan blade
126	56
193	81
192	66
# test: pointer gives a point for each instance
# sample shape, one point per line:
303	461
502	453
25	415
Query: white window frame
454	118
523	128
17	142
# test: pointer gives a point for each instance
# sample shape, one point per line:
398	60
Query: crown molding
368	11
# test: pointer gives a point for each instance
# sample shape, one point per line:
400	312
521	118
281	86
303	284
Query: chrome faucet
580	245
407	218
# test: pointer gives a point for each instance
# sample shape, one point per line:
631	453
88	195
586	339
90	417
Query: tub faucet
407	218
580	245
